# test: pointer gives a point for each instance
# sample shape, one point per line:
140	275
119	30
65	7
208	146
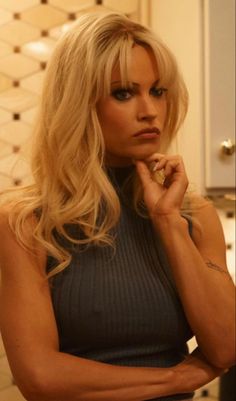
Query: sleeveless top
120	305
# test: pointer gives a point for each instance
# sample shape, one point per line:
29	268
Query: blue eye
158	92
122	94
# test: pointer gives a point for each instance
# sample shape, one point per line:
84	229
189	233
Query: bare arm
199	266
31	340
204	284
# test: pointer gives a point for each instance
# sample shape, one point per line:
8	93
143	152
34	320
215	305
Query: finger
171	166
143	172
154	157
152	160
160	156
158	165
158	161
169	169
167	182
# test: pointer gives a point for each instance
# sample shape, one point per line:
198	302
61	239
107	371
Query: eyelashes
123	94
158	92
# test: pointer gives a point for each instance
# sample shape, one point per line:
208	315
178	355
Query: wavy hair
70	184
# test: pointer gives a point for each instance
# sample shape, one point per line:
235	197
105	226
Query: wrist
185	378
170	221
194	372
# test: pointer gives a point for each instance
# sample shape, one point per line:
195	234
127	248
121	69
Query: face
132	118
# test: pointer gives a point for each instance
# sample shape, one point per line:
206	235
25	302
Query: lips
147	132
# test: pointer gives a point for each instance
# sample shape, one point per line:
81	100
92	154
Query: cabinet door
219	43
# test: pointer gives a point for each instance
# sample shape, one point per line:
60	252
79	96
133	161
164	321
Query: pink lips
148	133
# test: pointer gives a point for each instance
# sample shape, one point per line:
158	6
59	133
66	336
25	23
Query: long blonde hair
70	184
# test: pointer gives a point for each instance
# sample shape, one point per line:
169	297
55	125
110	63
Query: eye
122	94
158	92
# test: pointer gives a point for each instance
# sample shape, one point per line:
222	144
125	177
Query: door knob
227	147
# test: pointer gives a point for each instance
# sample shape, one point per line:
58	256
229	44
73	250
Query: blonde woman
105	277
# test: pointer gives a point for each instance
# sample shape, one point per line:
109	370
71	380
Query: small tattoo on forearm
215	267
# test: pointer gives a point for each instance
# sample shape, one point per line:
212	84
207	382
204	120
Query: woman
104	275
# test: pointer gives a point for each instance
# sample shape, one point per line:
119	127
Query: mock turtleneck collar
118	175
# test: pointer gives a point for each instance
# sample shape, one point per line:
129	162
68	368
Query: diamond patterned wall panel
15	133
29	30
14	167
33	83
56	32
5	116
17	33
25	66
5	150
5	49
44	16
5	82
18	5
17	100
72	6
127	7
5	16
40	49
93	9
29	115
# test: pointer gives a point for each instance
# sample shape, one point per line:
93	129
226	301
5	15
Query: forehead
142	66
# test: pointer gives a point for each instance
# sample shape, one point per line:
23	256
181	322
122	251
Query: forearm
68	377
65	377
207	295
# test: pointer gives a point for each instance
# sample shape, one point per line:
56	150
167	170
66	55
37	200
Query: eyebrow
133	83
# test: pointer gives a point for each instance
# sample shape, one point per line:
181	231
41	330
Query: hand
166	198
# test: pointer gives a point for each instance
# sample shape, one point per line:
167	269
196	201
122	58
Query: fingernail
155	167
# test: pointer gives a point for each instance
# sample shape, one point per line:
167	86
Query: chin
144	153
126	158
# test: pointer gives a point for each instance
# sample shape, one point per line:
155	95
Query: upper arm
208	235
27	320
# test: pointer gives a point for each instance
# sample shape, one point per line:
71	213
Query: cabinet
219	85
201	35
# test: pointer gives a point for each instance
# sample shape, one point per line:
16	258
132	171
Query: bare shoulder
4	215
6	232
12	250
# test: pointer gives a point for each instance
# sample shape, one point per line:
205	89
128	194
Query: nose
146	109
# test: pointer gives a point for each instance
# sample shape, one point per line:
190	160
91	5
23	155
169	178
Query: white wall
179	24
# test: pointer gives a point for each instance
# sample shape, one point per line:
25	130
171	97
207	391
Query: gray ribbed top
121	307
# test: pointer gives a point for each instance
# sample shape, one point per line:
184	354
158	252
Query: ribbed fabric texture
121	306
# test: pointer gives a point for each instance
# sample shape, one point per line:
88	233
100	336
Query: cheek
165	109
113	118
162	114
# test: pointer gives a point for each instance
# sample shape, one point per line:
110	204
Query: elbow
44	386
35	388
226	356
32	393
221	354
223	359
225	363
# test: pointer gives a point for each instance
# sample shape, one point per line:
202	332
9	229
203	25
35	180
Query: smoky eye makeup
158	91
122	93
